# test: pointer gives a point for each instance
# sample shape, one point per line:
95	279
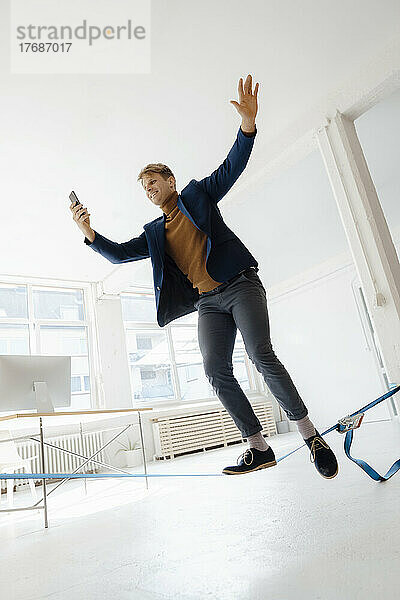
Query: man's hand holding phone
81	217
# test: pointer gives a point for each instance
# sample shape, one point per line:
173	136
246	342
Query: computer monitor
34	382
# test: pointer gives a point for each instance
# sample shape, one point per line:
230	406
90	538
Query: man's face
157	188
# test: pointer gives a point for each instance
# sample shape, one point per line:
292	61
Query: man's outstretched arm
223	178
134	249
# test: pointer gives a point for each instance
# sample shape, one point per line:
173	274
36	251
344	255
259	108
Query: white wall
317	334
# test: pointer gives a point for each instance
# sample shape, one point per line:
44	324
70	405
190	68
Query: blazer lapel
156	233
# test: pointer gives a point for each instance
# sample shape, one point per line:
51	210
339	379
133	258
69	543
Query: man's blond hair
163	170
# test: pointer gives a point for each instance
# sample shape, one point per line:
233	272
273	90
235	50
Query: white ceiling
93	133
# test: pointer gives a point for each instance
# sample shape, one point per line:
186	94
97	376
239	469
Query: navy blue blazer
226	254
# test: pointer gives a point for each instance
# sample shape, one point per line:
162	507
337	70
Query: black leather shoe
322	456
252	460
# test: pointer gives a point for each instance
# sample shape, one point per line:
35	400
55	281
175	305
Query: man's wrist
90	236
248	126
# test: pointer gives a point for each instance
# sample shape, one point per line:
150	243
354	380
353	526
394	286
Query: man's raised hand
247	105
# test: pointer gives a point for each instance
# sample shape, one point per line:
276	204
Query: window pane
80	368
239	365
139	307
79	374
13	301
58	304
194	385
14	339
63	340
80	383
75	384
192	379
193	382
80	401
191	318
144	342
149	364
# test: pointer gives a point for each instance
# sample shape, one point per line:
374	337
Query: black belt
223	285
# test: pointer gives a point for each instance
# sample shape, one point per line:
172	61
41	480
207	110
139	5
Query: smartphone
74	198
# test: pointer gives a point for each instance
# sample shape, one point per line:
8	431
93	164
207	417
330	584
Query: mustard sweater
186	245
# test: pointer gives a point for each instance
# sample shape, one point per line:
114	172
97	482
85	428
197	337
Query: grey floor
280	534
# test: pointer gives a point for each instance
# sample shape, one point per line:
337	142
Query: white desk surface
72	412
53	421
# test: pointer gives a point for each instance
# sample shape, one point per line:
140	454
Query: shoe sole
264	466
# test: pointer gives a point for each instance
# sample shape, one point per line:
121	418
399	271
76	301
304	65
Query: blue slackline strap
361	463
374	402
349	438
302	445
99	475
347	444
365	466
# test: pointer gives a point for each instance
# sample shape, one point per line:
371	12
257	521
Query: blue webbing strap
349	438
347	444
374	402
365	466
361	463
302	445
99	475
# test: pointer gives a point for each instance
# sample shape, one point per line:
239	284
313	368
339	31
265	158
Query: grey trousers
242	304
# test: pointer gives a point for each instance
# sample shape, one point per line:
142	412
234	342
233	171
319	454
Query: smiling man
199	263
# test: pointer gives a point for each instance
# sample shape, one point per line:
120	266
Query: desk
14	421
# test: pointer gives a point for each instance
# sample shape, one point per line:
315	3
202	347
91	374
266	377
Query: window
149	364
79	383
14	338
189	364
46	320
63	340
143	343
138	308
13	301
148	373
66	305
75	383
86	385
166	363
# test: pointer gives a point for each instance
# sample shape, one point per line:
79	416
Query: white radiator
214	428
57	461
